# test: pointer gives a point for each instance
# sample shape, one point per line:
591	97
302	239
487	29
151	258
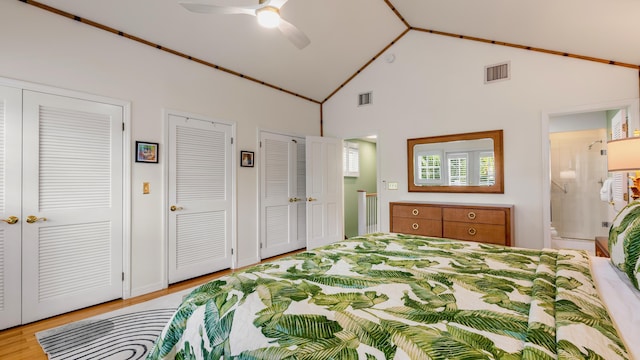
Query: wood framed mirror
458	163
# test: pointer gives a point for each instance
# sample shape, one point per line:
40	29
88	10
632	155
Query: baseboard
147	289
247	262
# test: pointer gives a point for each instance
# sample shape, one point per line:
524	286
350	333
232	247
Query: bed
394	296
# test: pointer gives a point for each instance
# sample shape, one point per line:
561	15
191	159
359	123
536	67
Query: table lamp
624	155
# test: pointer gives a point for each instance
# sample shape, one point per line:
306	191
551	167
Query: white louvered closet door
10	204
282	194
73	188
200	197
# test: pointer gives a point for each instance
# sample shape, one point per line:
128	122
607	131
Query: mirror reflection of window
429	167
457	168
455	163
487	168
458	165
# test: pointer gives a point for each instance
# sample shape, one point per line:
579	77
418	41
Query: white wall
41	47
435	86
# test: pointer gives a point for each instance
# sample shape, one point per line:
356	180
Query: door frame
634	122
126	161
166	112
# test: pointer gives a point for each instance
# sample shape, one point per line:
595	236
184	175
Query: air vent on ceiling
497	72
364	98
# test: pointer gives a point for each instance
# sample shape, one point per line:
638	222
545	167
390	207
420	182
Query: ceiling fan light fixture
268	17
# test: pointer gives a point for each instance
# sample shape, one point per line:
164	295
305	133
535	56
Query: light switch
145	188
392	186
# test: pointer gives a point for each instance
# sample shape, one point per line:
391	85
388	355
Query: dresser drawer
472	215
417	211
424	227
486	233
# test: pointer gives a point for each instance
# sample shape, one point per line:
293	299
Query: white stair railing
367	213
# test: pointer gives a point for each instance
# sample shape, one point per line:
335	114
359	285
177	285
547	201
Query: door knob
295	199
31	219
311	199
175	208
10	220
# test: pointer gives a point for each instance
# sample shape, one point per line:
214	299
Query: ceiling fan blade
277	3
203	8
297	37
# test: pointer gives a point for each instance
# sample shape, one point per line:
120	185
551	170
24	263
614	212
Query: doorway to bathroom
580	208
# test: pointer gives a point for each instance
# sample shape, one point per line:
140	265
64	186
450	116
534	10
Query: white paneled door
200	197
282	194
324	191
71	204
10	206
67	194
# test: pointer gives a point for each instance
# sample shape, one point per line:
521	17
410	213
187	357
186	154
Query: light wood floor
19	343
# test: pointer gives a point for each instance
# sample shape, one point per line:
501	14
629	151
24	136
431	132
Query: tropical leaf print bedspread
393	296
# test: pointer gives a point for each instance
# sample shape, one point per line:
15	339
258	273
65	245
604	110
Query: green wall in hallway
366	181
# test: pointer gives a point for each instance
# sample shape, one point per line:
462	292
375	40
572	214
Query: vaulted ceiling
347	34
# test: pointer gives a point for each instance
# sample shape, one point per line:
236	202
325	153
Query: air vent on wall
364	98
497	72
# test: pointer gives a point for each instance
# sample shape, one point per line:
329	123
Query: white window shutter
351	159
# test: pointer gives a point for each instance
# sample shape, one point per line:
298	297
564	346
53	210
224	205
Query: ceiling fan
267	13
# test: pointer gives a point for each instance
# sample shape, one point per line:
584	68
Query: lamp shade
623	154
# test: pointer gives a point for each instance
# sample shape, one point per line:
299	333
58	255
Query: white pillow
622	300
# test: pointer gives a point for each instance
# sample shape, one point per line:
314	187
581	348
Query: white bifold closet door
10	206
282	194
200	197
67	193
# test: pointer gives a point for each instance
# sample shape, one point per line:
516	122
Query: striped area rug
128	333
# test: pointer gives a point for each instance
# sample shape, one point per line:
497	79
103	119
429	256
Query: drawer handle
415	212
415	226
472	231
471	215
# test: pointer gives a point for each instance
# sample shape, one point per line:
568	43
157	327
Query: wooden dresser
475	222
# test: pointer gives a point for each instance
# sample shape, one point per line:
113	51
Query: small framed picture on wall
246	158
146	152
